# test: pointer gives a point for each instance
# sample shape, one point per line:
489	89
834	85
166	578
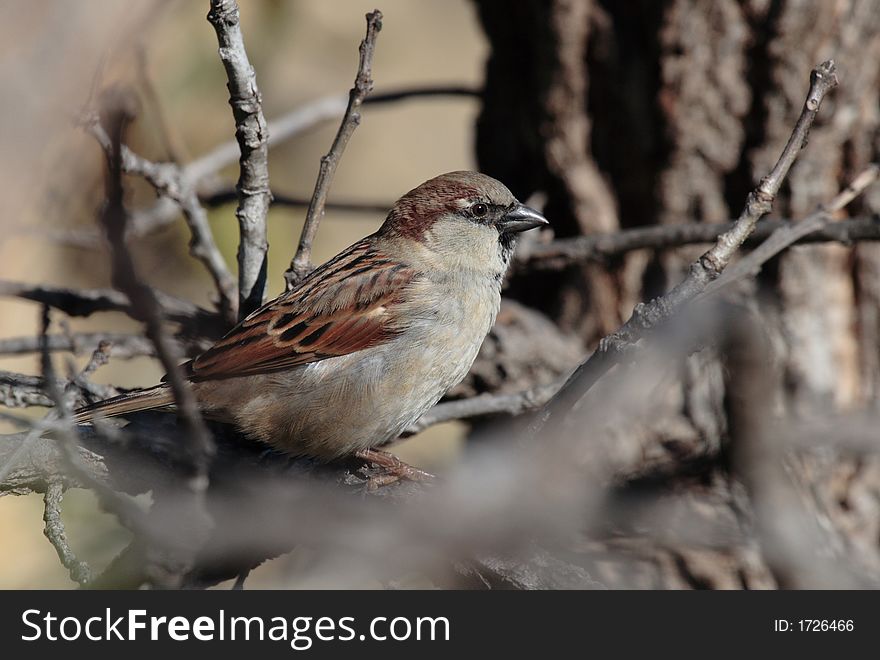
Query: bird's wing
350	303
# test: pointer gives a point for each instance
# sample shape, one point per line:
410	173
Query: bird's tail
153	397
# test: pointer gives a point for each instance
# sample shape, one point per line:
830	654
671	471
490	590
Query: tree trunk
637	113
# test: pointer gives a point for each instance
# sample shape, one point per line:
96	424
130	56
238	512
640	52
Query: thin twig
53	529
785	236
252	135
703	271
301	264
173	557
100	356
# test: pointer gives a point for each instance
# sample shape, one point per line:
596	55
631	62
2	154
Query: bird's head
468	217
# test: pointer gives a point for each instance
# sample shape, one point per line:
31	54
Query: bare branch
703	271
252	134
301	264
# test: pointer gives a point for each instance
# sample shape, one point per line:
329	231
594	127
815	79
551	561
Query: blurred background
607	115
51	169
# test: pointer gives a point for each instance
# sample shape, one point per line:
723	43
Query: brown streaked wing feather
346	305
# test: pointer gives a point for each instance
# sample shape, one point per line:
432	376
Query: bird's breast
339	405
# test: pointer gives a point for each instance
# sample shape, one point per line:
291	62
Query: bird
366	343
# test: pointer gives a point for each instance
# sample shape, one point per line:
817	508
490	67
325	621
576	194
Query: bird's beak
520	218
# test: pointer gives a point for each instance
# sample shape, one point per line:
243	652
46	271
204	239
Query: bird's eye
480	210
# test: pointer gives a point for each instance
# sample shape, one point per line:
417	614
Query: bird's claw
393	469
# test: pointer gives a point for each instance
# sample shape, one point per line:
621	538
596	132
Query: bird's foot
393	468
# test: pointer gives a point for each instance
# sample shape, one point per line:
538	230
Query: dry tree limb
144	305
32	470
252	135
53	530
564	252
168	183
703	271
277	477
23	447
301	264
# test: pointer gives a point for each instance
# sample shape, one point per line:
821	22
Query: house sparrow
369	341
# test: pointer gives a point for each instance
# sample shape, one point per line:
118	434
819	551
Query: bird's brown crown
419	209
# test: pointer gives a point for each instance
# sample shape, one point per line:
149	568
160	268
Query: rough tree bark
644	113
